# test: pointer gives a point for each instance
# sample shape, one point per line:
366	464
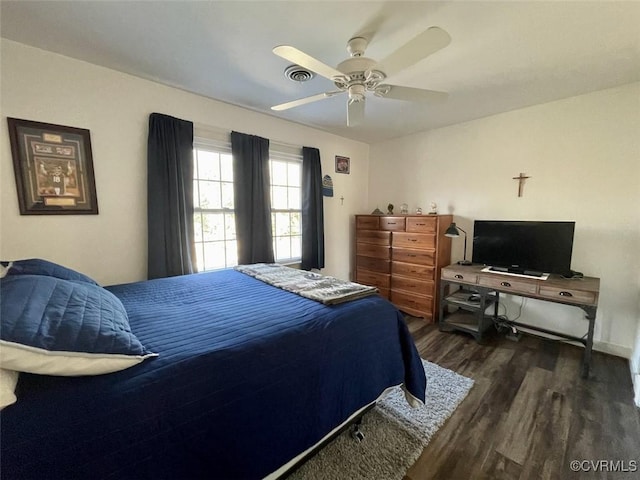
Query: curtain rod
220	132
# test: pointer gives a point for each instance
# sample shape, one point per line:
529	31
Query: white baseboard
612	349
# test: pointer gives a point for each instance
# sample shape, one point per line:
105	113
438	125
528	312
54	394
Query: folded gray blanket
321	288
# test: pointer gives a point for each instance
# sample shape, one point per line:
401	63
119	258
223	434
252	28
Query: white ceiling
503	55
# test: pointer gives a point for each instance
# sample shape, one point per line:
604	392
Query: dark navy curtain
170	197
252	198
312	210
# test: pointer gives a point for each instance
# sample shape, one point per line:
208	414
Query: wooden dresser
402	255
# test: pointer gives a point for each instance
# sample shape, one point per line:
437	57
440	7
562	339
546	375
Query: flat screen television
529	248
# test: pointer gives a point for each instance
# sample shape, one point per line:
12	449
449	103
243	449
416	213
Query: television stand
582	293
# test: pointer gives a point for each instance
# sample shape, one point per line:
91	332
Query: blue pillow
37	266
52	326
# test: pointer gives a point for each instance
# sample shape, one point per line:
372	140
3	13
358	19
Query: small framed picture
53	166
342	164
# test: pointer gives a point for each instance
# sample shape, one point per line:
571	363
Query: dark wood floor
529	413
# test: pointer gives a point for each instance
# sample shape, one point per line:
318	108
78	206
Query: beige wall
582	154
111	247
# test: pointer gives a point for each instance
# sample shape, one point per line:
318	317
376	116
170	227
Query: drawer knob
413	239
565	294
391	223
459	276
505	284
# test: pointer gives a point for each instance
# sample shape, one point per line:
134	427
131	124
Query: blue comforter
247	377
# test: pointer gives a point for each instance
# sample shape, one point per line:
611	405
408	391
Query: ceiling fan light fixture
356	93
358	74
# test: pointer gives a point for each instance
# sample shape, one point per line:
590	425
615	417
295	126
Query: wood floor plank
546	455
518	429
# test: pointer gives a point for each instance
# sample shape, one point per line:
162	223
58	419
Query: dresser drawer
370	250
373	264
567	295
392	223
421	257
374	236
508	284
412	285
462	277
414	304
412	270
414	240
421	224
367	222
373	278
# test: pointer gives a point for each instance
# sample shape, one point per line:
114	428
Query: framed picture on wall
53	166
342	164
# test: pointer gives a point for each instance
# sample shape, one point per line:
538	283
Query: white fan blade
300	58
355	113
409	94
303	101
428	42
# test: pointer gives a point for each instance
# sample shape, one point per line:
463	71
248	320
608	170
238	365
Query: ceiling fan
359	74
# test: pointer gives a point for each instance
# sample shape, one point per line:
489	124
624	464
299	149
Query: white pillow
8	382
4	270
52	326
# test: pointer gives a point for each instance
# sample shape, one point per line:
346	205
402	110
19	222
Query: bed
247	377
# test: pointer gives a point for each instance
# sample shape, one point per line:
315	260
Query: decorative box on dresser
402	255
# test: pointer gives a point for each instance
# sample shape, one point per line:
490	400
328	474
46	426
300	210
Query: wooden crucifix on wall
521	178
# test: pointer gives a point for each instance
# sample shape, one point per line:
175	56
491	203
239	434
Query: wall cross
521	178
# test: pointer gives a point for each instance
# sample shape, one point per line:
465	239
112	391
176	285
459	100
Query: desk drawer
567	295
412	270
375	279
412	285
508	284
421	257
370	250
462	277
373	264
374	236
392	223
421	225
414	240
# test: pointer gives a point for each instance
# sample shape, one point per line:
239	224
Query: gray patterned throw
321	288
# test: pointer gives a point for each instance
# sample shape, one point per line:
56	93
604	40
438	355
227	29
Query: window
286	207
214	221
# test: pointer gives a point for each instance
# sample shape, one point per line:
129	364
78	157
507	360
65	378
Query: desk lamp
453	232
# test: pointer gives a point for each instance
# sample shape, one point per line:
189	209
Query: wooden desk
582	293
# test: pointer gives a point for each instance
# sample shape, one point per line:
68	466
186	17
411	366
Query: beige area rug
395	433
